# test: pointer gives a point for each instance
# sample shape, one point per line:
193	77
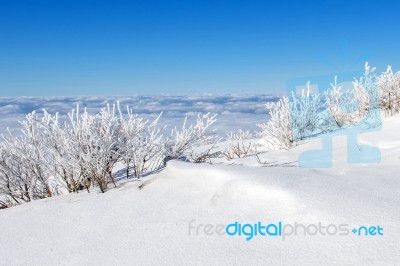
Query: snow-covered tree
141	143
25	172
93	141
277	132
184	139
304	113
15	184
50	156
131	126
389	91
147	148
349	106
239	145
291	119
33	152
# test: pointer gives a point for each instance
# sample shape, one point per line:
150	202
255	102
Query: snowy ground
150	226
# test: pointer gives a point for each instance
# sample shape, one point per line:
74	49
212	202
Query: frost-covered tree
147	149
131	126
16	184
277	132
370	91
93	141
304	113
389	91
184	139
51	156
239	145
350	106
25	172
291	119
60	162
141	143
34	153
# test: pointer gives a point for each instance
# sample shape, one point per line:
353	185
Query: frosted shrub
350	106
25	173
16	186
147	149
183	140
367	90
33	152
389	91
50	157
239	145
93	140
131	125
304	113
291	119
277	132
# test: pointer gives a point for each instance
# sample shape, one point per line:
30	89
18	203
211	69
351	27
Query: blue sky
185	47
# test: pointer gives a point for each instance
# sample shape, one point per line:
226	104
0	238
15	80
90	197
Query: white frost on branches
389	91
239	145
183	140
291	119
51	157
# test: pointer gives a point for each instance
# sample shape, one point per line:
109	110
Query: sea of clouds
234	111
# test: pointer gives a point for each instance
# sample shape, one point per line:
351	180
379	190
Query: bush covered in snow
294	117
239	145
349	106
291	119
181	141
51	156
389	92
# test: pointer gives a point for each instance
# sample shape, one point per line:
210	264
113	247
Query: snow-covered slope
155	221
